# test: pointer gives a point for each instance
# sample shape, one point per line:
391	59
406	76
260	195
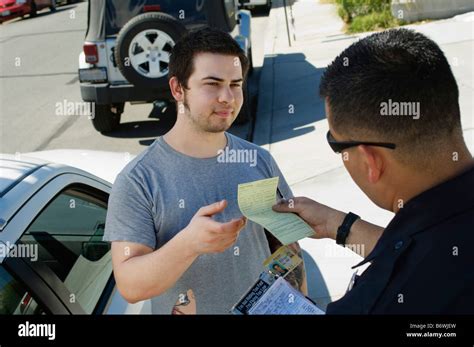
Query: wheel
143	48
105	119
33	9
53	6
245	113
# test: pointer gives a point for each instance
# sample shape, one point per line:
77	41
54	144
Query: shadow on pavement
290	103
260	11
162	120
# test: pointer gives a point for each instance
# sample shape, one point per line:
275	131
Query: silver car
52	218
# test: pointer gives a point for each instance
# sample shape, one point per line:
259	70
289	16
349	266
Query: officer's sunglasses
339	146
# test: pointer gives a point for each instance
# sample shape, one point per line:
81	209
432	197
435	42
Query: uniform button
398	245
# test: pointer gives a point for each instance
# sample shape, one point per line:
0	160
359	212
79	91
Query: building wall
415	10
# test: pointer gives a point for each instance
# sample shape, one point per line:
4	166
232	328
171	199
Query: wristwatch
345	228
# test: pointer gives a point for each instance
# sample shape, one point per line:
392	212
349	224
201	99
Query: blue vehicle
127	48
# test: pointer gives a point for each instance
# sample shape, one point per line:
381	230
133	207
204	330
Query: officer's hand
323	219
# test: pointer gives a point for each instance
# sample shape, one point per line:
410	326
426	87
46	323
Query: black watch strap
345	228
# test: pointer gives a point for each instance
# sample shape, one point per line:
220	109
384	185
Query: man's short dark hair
401	66
208	40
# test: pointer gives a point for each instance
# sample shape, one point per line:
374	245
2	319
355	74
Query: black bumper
105	93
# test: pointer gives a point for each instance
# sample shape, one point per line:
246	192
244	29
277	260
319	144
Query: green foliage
366	15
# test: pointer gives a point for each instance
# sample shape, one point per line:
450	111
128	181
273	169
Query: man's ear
373	162
176	89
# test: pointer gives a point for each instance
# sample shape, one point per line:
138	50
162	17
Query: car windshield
119	12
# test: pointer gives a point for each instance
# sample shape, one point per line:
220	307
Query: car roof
103	164
21	177
13	171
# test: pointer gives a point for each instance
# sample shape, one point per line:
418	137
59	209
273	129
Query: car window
68	237
14	298
119	12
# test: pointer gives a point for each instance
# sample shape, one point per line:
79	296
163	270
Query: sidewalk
291	120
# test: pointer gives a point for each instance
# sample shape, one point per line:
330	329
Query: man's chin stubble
223	125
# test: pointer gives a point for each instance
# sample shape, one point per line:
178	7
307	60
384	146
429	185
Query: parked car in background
10	9
257	3
127	48
52	219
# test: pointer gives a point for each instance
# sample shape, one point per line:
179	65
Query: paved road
38	72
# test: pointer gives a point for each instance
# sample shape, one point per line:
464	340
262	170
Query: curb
264	114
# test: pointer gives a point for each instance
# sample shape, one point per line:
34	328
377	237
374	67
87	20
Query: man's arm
142	273
297	277
325	221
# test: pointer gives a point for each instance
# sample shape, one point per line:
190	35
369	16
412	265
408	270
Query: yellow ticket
255	201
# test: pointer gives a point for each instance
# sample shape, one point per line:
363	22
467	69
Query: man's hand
323	219
142	273
205	235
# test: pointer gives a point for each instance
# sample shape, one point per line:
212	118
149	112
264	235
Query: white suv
127	48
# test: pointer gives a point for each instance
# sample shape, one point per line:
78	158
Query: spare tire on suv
143	48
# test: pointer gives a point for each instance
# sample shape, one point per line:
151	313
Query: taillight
91	53
151	8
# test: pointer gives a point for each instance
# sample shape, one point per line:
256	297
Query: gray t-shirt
157	194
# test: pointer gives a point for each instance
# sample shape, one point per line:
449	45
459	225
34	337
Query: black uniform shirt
424	261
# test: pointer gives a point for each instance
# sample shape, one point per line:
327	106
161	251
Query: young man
415	164
177	233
